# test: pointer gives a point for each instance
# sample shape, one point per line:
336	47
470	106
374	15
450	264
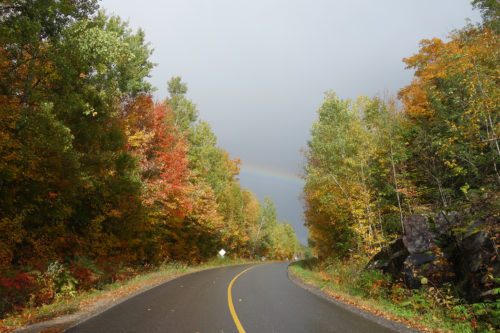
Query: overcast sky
257	69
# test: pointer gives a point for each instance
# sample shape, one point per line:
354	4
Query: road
263	300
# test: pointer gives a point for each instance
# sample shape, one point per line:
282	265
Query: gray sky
258	69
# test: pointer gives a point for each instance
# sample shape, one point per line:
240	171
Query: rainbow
277	175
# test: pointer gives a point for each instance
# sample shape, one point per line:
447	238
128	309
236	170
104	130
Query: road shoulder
390	324
64	322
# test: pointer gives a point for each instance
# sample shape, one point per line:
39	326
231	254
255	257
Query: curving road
263	300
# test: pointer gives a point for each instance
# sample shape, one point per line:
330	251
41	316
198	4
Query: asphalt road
263	297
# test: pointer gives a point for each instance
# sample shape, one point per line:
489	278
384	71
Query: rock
390	259
418	236
478	260
443	223
434	265
474	227
413	268
472	248
470	261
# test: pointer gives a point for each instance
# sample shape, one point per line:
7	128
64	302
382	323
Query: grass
87	299
427	309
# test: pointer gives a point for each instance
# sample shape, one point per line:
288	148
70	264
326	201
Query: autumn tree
452	114
332	190
68	182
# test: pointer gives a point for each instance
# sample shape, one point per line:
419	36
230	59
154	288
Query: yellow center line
230	301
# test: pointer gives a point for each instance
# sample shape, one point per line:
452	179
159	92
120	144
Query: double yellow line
230	300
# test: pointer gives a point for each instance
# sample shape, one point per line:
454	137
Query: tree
490	10
329	178
356	190
69	181
184	110
452	115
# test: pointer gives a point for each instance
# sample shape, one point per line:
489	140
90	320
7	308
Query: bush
353	278
33	288
373	283
15	290
86	272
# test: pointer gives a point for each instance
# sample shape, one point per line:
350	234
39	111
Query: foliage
356	191
428	307
451	111
371	162
97	178
490	10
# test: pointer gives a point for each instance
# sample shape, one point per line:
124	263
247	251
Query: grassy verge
87	300
427	309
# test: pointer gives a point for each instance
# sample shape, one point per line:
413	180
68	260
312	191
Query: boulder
470	260
413	268
434	265
474	227
475	249
478	261
443	223
390	259
417	237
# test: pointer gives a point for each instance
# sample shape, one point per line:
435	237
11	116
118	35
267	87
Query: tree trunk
397	189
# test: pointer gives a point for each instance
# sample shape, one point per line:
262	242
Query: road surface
263	300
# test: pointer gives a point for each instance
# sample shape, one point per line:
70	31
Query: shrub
15	290
373	283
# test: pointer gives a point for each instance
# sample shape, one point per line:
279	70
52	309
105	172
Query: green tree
329	178
490	10
354	178
184	109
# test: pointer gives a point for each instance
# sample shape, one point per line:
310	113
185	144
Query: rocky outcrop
477	262
414	268
417	237
435	251
444	223
390	259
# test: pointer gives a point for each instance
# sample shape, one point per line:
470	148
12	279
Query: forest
96	176
411	184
